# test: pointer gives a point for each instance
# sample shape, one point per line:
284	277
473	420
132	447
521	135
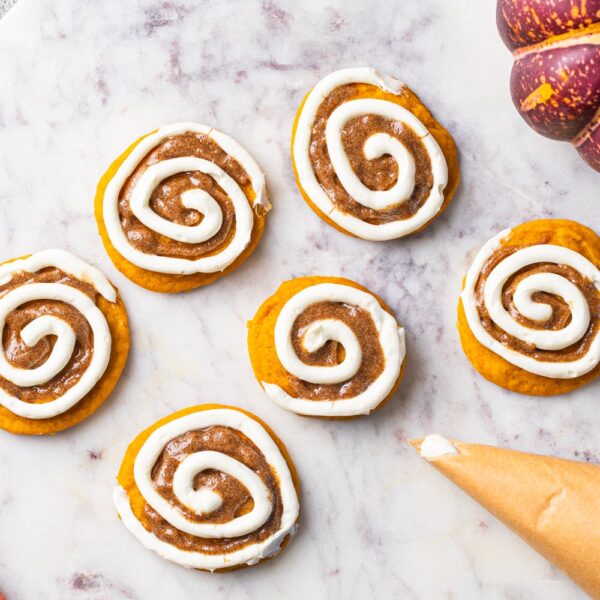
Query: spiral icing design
538	307
342	351
179	202
216	488
56	341
368	163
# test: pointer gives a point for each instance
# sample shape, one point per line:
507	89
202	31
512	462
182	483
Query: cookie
209	487
529	313
65	341
181	207
369	158
326	347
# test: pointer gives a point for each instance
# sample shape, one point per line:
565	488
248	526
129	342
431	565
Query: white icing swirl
551	283
50	325
205	501
391	339
377	145
194	199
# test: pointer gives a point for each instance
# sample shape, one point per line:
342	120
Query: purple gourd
555	79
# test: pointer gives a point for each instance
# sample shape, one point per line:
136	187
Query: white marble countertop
5	5
80	80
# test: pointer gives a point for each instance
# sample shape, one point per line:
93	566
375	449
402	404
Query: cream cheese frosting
434	446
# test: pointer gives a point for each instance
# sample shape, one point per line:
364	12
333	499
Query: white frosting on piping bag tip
552	283
204	501
391	338
194	199
434	446
376	145
46	325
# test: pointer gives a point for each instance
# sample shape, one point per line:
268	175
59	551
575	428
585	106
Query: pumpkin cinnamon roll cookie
181	207
65	339
369	158
529	313
209	487
326	347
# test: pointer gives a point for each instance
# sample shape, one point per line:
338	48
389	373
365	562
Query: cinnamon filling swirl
332	352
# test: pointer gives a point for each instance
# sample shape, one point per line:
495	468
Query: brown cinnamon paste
379	174
363	326
22	356
236	498
166	198
561	314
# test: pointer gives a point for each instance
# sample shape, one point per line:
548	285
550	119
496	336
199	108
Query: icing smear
434	446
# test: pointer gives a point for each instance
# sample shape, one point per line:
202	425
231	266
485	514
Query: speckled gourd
555	80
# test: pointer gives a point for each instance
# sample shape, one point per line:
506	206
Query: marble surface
80	80
5	5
